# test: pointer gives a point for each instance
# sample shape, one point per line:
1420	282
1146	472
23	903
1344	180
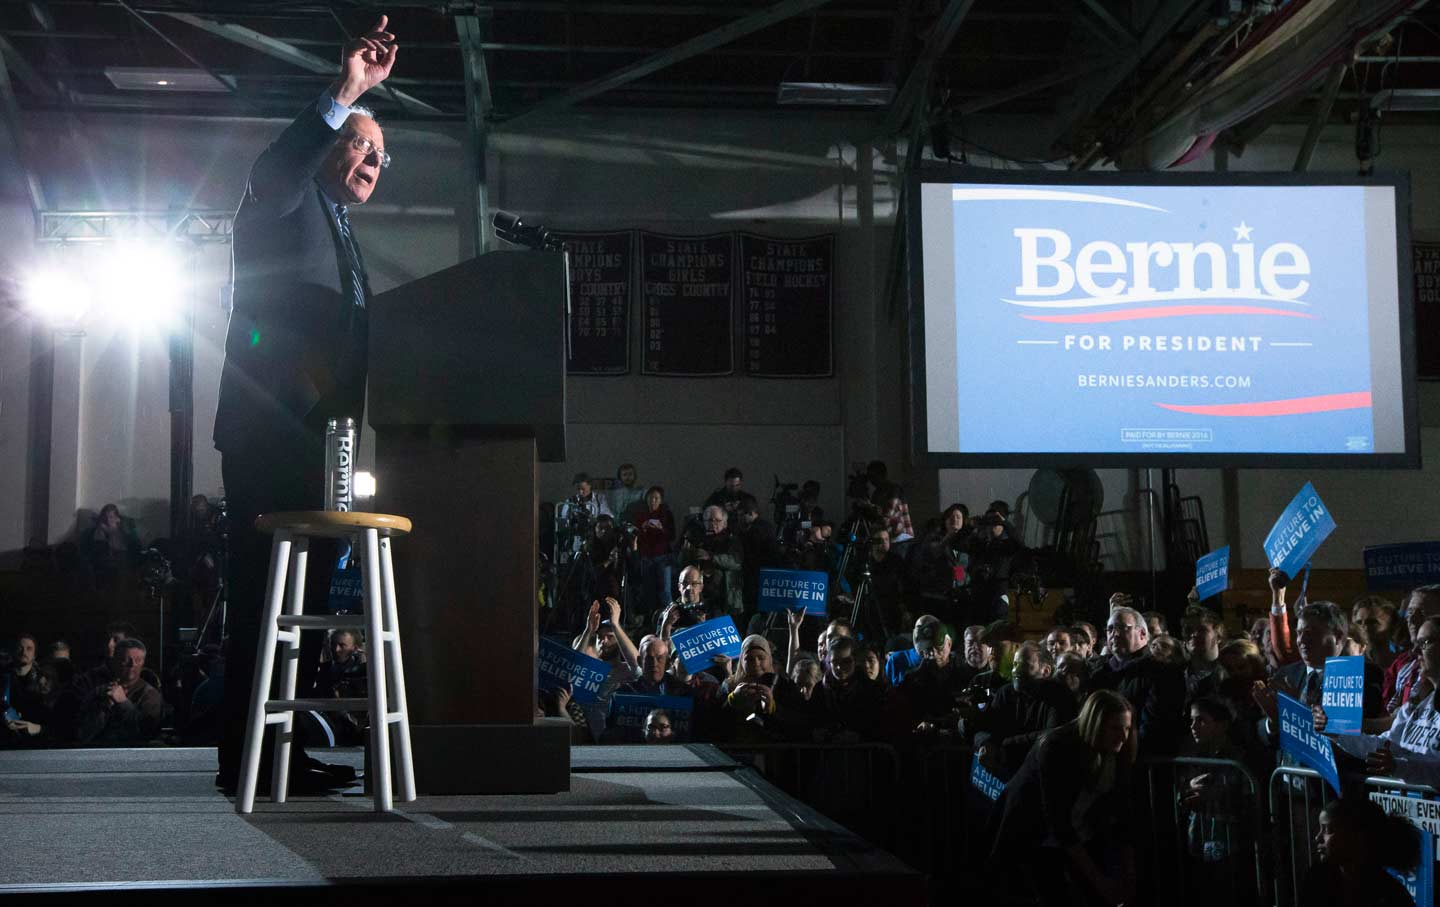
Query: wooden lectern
467	393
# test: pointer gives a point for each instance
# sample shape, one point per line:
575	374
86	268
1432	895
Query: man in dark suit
295	356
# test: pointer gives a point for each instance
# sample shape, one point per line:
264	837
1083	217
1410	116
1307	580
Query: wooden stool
369	535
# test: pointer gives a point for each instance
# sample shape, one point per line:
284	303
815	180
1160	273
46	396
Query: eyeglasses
1424	642
367	148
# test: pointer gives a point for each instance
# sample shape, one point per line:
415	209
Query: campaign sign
1298	738
1212	573
791	590
628	711
697	646
1402	566
1304	524
987	784
1425	816
564	667
347	590
1153	319
1343	696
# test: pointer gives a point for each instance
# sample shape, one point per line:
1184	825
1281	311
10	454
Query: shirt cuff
332	111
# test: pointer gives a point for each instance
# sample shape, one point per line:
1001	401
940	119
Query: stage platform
148	823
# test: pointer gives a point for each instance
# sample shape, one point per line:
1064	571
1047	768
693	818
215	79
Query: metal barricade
1210	848
854	784
1297	795
948	818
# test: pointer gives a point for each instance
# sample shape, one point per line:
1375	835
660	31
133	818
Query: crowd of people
626	543
1061	718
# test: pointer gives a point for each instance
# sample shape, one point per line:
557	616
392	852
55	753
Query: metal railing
1206	825
1292	787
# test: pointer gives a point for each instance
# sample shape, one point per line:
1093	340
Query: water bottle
339	464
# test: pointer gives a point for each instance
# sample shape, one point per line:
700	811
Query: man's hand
613	610
29	728
562	699
1120	600
669	617
592	620
1266	698
365	62
1278	581
1382	761
117	694
1320	718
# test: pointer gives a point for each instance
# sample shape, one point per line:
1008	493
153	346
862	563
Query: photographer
655	528
992	547
720	557
112	704
690	608
595	573
758	546
942	565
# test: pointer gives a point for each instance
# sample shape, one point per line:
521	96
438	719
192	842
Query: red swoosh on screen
1163	312
1326	403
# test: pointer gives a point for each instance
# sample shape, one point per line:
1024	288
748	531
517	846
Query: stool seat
332	524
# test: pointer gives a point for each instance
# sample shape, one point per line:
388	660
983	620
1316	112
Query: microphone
512	229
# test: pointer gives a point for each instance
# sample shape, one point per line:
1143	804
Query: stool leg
264	668
379	712
289	667
404	761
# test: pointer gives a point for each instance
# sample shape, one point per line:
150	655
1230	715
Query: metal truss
111	226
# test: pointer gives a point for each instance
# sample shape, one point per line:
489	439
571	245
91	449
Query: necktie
353	270
1312	688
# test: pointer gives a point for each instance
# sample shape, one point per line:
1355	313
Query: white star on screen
1242	232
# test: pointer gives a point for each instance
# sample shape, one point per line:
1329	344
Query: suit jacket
295	351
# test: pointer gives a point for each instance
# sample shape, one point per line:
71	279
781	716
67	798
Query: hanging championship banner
787	290
601	279
1427	309
688	287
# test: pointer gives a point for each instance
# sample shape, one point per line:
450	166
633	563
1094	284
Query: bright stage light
60	298
364	484
140	284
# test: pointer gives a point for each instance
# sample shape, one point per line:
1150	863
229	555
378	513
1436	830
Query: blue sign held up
1402	566
1212	573
697	646
1304	524
561	666
791	590
628	712
1298	738
347	592
986	783
1343	696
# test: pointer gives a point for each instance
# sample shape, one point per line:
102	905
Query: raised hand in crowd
668	618
1121	600
1278	580
1321	720
562	699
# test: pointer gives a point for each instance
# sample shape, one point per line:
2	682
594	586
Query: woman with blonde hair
1065	814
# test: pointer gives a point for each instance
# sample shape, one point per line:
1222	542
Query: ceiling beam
1088	98
1321	117
911	95
26	73
683	51
194	61
10	123
1031	86
1114	25
478	106
280	50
